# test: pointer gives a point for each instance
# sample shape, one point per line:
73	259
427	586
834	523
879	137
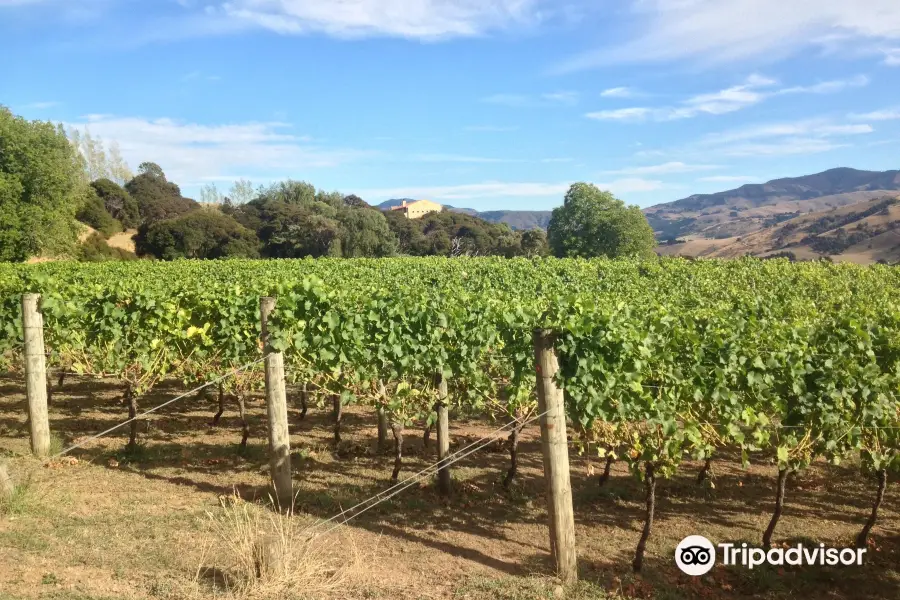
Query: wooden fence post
36	374
443	434
556	458
383	421
276	409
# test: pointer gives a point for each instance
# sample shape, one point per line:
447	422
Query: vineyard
661	362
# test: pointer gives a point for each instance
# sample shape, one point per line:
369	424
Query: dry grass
254	552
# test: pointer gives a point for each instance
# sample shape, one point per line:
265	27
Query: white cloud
887	114
810	128
810	136
417	19
728	178
827	87
562	97
524	100
191	153
618	92
456	158
668	168
495	189
752	91
42	105
892	57
637	113
782	147
490	128
723	31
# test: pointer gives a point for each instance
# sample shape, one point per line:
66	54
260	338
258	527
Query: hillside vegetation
750	208
863	233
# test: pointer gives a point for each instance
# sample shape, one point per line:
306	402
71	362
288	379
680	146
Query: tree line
51	180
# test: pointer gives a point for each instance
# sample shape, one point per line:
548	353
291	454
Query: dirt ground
114	524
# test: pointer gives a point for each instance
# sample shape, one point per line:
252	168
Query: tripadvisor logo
696	555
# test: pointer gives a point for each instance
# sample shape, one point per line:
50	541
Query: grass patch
255	552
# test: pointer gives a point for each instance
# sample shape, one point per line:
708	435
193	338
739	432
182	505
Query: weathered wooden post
7	489
556	457
36	374
443	434
383	421
276	409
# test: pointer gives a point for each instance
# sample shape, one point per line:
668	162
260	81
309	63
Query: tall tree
156	197
592	222
119	171
209	194
241	192
40	188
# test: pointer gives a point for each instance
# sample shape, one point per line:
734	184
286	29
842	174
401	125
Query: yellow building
419	208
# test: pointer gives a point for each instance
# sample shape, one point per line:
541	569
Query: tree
94	213
534	243
354	201
119	171
365	233
152	169
593	223
118	202
209	194
291	192
241	192
199	234
40	188
157	198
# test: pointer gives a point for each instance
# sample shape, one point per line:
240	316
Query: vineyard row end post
36	374
554	444
443	434
276	410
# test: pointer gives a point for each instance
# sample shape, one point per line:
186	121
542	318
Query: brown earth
135	525
788	236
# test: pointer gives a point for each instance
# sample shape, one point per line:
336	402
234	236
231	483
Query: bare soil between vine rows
113	525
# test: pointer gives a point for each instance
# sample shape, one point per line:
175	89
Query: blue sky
489	104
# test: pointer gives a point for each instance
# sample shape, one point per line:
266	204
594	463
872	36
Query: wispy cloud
811	136
457	158
416	19
490	128
668	168
887	114
892	57
564	98
727	178
755	89
569	98
724	31
192	152
619	92
827	87
42	105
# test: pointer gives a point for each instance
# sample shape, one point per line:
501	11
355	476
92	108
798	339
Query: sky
486	104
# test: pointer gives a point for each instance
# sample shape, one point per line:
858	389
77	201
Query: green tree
40	188
199	234
157	198
118	202
365	233
534	243
592	222
94	213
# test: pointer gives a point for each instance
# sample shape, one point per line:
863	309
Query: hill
753	207
863	233
516	219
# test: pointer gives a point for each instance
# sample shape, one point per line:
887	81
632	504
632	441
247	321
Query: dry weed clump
255	552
